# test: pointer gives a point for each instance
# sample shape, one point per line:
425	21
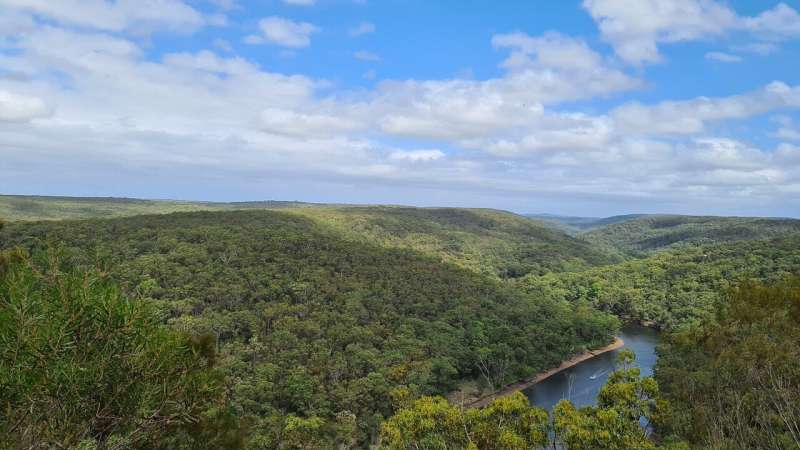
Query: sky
577	107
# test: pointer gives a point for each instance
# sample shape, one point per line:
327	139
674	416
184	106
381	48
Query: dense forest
644	235
671	289
577	225
732	382
34	207
315	326
492	242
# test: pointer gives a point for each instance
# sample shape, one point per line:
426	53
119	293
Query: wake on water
597	374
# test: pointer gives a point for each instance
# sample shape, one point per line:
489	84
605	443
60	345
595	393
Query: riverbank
528	382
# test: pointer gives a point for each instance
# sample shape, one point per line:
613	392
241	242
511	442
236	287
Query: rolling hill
644	235
497	243
33	207
576	225
492	242
312	323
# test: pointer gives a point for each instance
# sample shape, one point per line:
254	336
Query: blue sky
586	107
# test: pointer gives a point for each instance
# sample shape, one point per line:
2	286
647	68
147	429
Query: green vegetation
576	225
644	235
31	207
672	289
488	241
316	332
433	423
492	242
270	325
734	381
624	404
83	366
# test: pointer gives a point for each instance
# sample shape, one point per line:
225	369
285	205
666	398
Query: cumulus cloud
691	116
788	154
119	15
780	22
635	29
284	32
551	51
104	100
788	130
473	112
417	155
292	123
21	108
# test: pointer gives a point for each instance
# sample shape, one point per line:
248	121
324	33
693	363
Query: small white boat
597	374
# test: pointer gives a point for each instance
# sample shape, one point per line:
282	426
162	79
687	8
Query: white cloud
541	71
723	57
635	29
364	55
361	29
285	32
780	22
788	154
102	99
21	108
788	130
691	116
551	51
119	15
304	125
417	155
572	132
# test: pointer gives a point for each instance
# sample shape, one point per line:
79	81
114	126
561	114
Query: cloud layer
85	91
636	29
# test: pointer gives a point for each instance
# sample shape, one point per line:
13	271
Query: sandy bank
520	385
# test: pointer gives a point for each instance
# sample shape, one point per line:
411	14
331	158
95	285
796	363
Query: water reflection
582	382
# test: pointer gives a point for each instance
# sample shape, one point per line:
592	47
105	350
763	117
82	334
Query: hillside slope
316	329
676	287
576	225
492	242
497	243
34	207
647	234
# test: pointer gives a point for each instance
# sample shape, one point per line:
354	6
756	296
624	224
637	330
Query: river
582	382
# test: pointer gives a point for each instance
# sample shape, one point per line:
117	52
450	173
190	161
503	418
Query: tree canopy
82	365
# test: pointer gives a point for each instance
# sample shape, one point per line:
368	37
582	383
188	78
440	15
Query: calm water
582	382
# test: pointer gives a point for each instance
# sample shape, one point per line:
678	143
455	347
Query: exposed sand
520	385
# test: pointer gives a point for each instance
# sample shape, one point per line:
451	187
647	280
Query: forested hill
34	207
643	235
676	287
493	242
496	243
317	331
576	225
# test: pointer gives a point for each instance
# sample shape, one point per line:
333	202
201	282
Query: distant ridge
40	207
646	234
577	224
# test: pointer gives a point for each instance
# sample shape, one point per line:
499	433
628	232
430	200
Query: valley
319	309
